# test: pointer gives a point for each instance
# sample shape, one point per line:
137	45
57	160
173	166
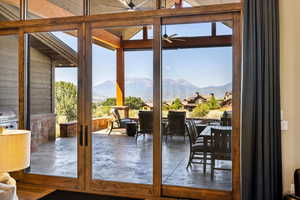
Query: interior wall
290	86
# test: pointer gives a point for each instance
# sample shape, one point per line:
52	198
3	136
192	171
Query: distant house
227	100
191	102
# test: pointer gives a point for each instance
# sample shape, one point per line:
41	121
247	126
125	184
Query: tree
176	104
109	102
134	103
213	103
201	110
66	100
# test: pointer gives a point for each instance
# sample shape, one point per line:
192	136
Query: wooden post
86	8
120	89
22	81
214	29
157	99
23	9
158	4
178	3
236	105
145	33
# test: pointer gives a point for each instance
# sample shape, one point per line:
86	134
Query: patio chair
199	147
220	148
145	122
176	124
117	122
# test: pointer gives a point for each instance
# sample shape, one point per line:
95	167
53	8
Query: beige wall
290	86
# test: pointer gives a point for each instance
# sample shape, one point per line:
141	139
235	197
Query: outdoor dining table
207	130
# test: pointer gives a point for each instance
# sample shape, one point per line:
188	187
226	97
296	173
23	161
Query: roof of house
191	101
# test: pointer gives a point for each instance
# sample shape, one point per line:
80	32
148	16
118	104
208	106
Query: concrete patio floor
120	158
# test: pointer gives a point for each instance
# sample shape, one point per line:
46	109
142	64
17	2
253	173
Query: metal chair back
176	123
146	121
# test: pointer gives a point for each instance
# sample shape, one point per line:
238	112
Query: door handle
86	132
81	136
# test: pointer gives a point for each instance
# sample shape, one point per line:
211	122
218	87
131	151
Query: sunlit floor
121	158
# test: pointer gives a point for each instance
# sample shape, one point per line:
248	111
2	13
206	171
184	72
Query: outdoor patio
120	158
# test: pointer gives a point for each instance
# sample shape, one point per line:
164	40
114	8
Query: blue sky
201	66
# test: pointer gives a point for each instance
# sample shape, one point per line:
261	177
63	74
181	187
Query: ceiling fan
170	38
130	5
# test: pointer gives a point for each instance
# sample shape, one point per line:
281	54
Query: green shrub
134	103
176	104
201	110
213	103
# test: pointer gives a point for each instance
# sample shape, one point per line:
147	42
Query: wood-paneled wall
40	78
9	73
40	83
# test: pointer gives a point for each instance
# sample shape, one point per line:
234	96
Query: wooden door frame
84	24
74	184
158	189
189	192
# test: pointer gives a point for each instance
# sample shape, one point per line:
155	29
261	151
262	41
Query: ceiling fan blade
177	39
168	40
173	35
111	6
125	3
141	4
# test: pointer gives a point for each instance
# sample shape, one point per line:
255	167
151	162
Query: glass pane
53	103
117	6
224	28
197	106
195	30
122	94
10	10
9	95
54	8
193	3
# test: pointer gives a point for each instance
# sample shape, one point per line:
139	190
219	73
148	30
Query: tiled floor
120	158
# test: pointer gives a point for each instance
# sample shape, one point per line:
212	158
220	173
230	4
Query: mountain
142	87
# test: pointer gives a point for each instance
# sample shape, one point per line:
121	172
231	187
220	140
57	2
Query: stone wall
69	129
42	129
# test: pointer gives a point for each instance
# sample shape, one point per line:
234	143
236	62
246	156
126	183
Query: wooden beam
101	36
46	9
126	17
145	33
189	42
120	86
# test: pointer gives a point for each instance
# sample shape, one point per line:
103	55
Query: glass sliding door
197	98
122	105
53	103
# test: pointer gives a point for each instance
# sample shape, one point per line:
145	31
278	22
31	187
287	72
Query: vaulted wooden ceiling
110	37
